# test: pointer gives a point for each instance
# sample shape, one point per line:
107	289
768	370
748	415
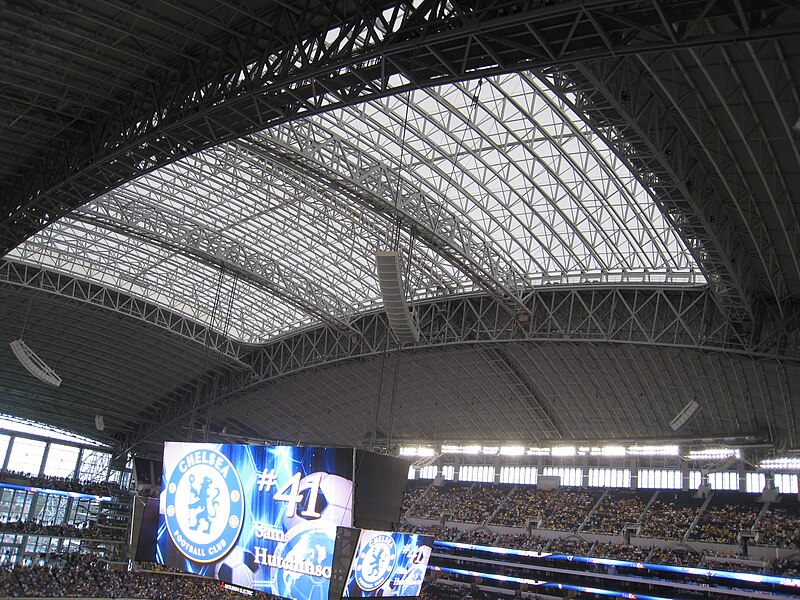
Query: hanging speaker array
401	318
35	365
687	412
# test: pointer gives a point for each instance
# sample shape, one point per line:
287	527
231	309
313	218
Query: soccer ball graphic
310	543
333	501
238	568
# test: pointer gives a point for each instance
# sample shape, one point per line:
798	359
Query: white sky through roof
544	198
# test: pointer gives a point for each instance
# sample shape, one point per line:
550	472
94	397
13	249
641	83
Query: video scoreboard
388	564
260	517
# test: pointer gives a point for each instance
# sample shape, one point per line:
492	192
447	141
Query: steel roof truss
35	278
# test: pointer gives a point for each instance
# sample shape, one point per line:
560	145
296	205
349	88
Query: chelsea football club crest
376	562
204	505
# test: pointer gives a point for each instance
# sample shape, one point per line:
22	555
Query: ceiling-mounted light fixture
35	365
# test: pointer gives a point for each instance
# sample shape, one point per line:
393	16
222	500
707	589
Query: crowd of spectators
787	567
441	590
525	503
669	518
66	484
620	551
727	565
523	541
406	527
466	504
568	508
479	537
669	515
779	527
617	508
733	561
414	491
570	545
83	578
439	532
722	523
681	557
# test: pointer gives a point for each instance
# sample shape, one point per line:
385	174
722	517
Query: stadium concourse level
66	484
667	526
38	528
38	519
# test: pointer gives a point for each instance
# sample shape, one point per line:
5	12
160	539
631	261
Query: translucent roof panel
279	229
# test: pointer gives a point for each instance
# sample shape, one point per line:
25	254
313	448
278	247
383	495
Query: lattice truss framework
667	319
488	185
338	59
725	175
690	63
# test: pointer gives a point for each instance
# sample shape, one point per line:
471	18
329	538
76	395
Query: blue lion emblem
376	561
376	566
205	505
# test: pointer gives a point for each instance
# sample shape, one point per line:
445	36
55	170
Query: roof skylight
499	171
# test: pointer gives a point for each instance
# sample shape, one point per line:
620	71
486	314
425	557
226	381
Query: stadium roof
594	205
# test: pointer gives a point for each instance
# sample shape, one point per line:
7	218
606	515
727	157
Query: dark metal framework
211	97
647	76
687	319
51	282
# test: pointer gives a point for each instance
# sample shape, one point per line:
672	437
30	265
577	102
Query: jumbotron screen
388	564
261	517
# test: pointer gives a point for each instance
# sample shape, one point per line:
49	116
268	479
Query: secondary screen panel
262	517
388	564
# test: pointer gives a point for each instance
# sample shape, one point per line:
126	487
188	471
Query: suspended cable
225	333
25	322
395	240
209	331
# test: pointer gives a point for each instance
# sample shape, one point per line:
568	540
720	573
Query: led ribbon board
41	490
753	578
388	564
260	517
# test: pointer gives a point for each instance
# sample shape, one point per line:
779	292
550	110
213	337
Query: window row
38	457
786	483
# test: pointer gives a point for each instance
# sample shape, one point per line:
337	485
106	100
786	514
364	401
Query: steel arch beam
220	250
653	317
617	94
348	61
20	275
383	190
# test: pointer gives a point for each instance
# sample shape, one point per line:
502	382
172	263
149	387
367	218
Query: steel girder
385	191
733	140
678	318
349	61
508	368
21	275
214	208
41	408
216	248
638	124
